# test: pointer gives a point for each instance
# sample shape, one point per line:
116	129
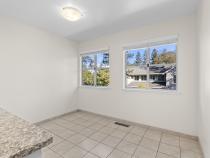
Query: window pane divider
96	69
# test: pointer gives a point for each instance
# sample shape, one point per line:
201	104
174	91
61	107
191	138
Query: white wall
38	71
170	111
204	81
38	76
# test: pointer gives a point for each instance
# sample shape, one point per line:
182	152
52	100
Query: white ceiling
101	16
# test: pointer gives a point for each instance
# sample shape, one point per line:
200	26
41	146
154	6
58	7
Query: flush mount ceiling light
71	13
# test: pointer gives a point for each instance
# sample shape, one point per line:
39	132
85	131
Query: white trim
151	42
95	87
147	44
80	70
158	91
124	68
92	51
95	70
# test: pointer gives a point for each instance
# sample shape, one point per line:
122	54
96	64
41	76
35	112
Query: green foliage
167	58
102	77
138	58
105	59
163	58
87	78
155	58
143	85
144	57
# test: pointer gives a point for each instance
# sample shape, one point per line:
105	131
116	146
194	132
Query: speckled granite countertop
19	138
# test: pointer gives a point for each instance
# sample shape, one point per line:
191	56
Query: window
95	69
152	67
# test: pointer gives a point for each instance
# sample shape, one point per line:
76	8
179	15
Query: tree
87	62
144	57
87	78
105	59
155	57
91	65
102	77
128	57
138	60
168	58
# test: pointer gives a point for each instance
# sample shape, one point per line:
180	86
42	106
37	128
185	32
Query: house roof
154	69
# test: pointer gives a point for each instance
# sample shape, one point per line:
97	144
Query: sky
169	47
99	58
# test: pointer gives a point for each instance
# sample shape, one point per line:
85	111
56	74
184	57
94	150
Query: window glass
136	68
152	67
88	62
95	69
103	60
102	77
88	77
162	68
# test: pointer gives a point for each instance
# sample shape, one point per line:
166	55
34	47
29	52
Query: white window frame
95	69
147	44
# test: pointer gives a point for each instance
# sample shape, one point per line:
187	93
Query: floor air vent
122	124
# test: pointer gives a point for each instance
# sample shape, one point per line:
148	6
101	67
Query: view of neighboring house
159	77
153	67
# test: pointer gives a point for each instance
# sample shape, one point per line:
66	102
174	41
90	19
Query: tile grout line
159	145
140	124
108	135
106	122
107	125
142	137
115	148
180	147
66	139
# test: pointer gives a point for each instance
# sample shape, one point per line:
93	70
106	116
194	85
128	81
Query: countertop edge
20	138
32	149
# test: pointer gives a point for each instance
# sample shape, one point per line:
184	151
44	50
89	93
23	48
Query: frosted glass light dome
71	13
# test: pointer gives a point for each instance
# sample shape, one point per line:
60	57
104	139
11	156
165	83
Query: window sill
93	87
157	91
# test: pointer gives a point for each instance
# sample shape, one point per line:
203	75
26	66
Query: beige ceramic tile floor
85	135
